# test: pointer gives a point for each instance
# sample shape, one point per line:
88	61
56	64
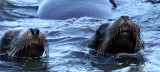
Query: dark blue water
68	39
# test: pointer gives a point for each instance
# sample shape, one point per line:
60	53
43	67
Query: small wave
11	11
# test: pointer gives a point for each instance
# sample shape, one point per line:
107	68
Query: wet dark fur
23	43
153	1
123	36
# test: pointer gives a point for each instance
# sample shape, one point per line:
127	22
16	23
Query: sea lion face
127	32
25	43
122	37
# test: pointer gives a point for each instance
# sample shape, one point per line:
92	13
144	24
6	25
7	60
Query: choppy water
68	38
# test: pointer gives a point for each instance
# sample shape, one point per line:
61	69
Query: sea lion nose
34	32
126	18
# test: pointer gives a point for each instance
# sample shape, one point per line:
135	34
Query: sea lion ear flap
6	38
113	3
102	28
101	31
98	36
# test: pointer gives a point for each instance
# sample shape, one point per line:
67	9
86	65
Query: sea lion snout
125	18
123	36
35	32
125	24
29	42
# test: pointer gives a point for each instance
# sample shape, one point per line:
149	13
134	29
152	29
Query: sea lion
153	1
123	36
65	9
23	43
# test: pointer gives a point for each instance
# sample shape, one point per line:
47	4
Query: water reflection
11	11
68	38
113	63
24	65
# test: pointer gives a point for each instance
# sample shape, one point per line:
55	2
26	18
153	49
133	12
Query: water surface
68	39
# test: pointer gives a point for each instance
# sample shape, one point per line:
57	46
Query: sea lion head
25	43
123	36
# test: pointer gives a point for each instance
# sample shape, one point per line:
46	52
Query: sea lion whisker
18	50
102	47
46	50
107	44
119	37
13	52
24	43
